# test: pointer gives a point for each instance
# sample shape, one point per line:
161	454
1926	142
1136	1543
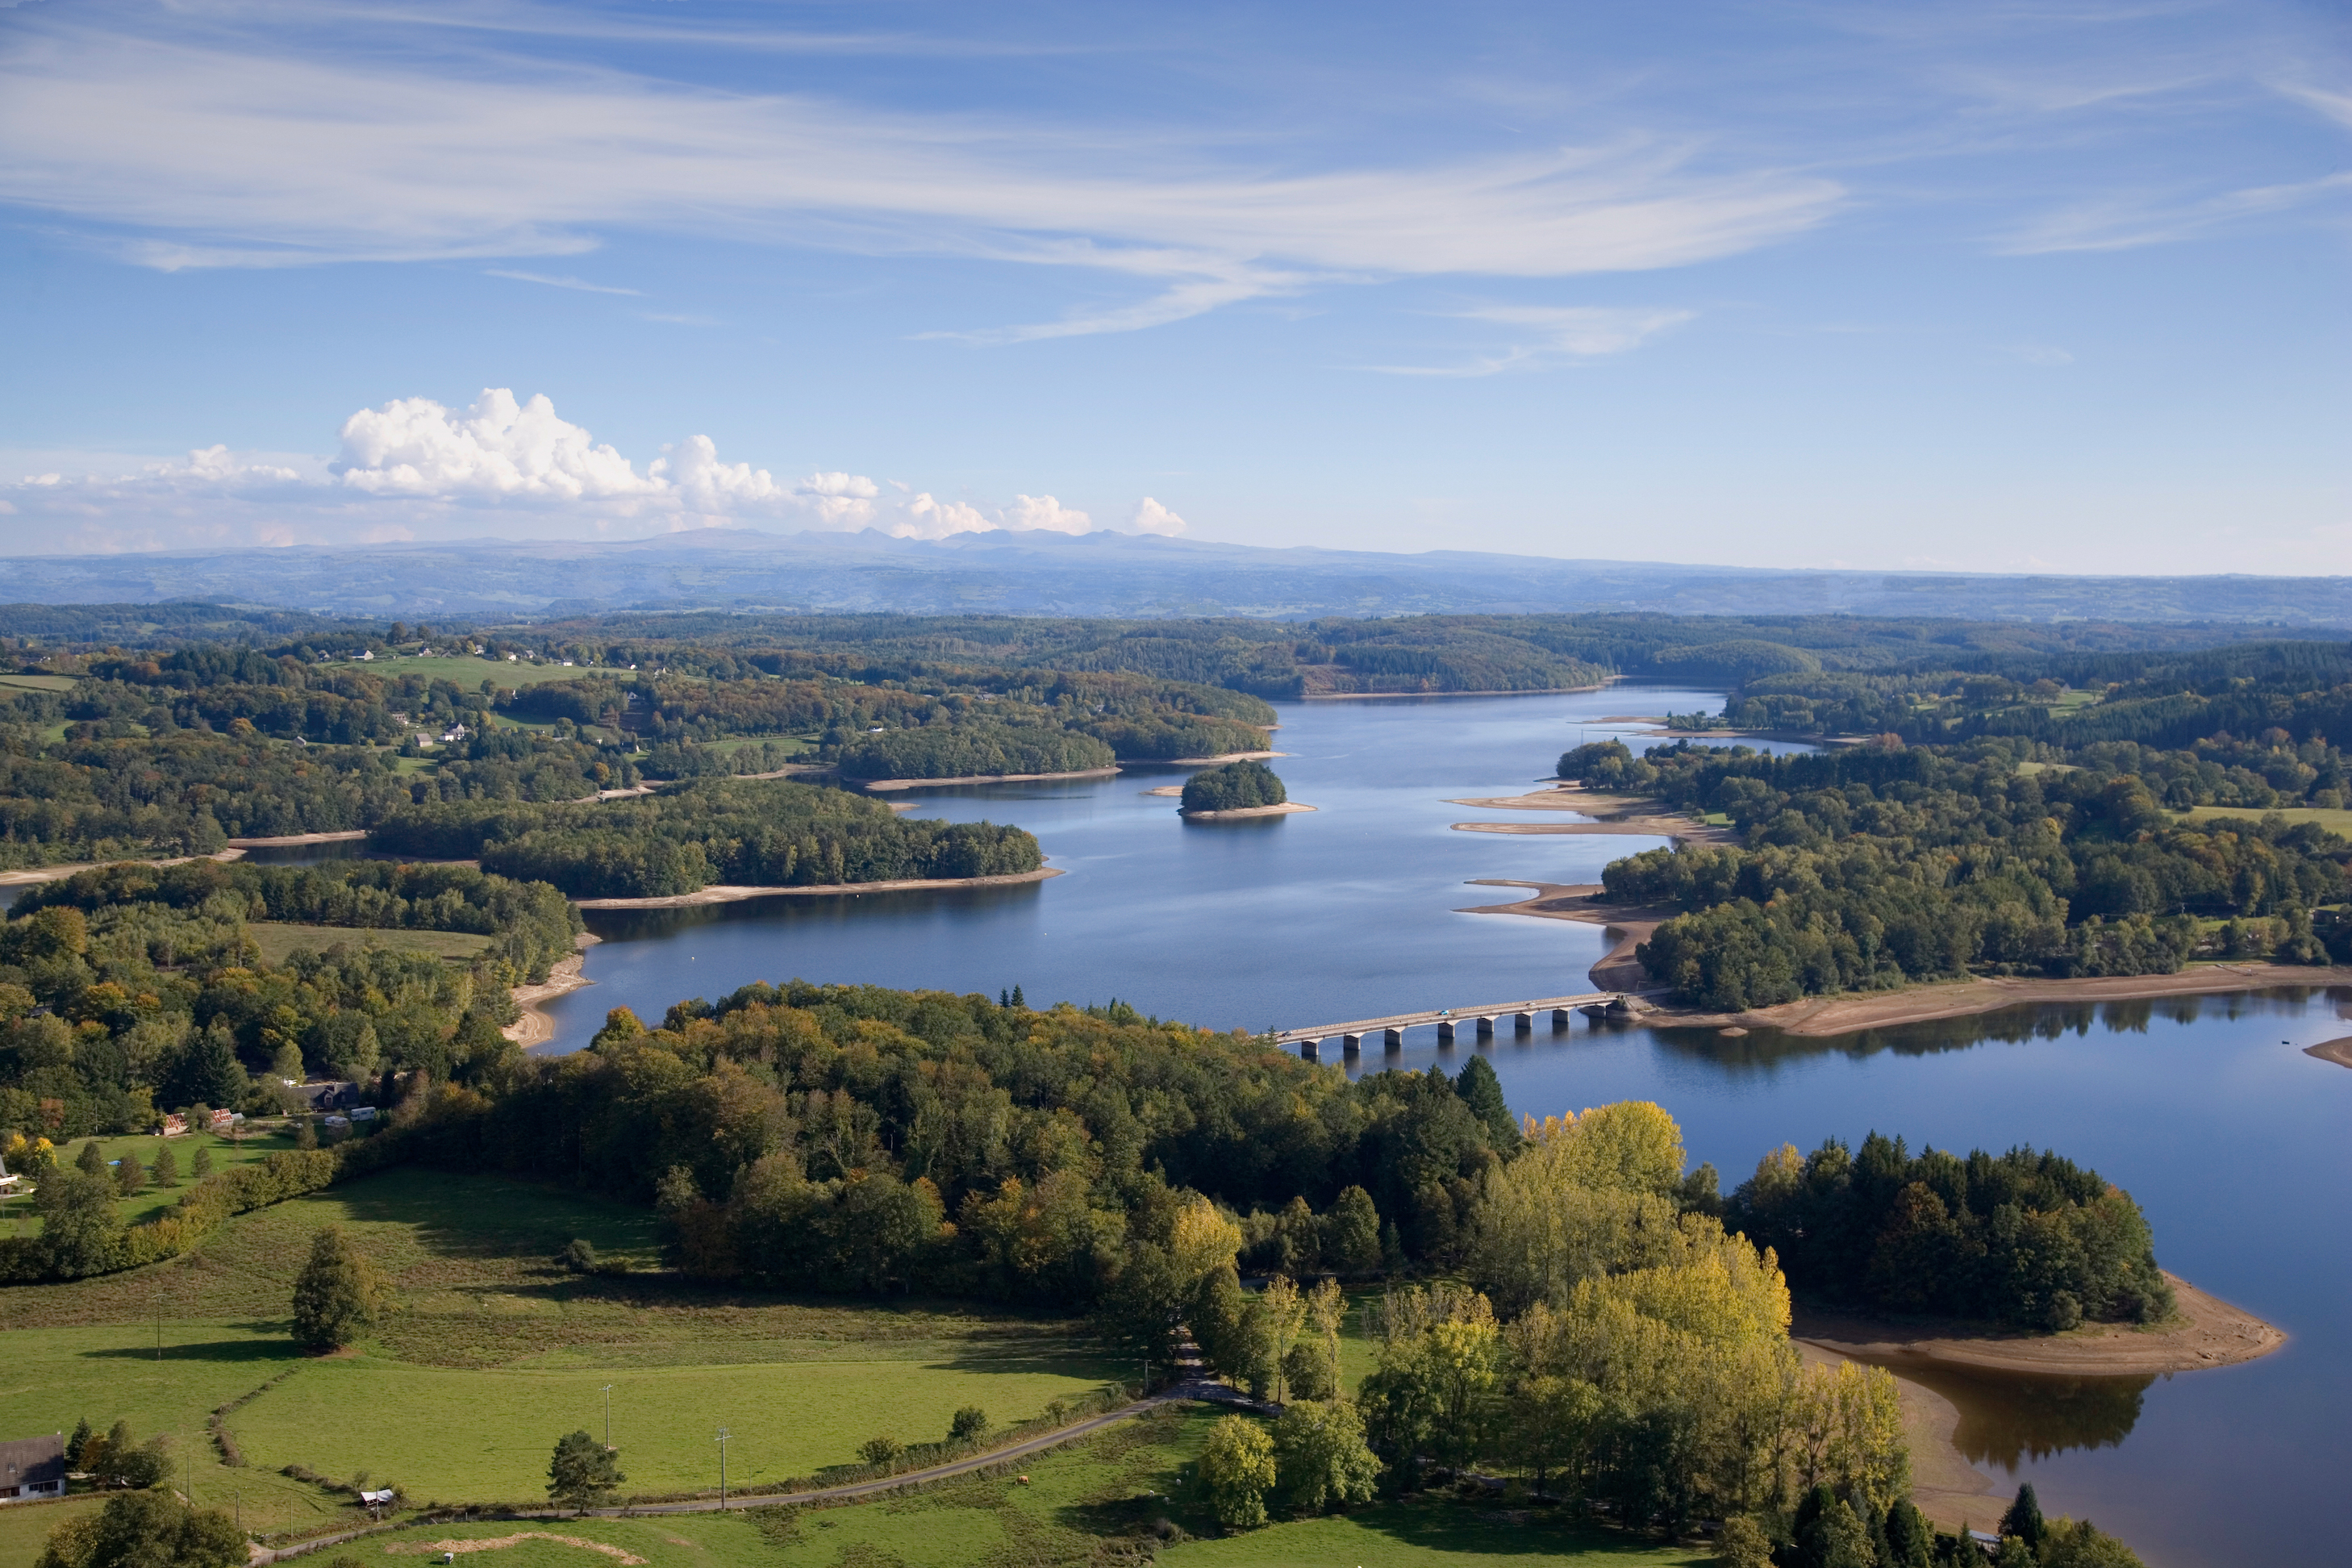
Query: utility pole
608	1418
722	1469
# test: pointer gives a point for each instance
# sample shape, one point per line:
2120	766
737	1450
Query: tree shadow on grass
451	1217
1484	1530
229	1351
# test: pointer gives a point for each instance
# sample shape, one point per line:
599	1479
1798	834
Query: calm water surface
2206	1110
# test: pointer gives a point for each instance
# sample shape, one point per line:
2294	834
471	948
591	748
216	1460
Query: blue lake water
2206	1110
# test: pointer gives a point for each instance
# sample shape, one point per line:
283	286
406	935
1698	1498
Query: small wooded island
1236	789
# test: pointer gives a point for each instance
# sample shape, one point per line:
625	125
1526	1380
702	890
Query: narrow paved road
1192	1389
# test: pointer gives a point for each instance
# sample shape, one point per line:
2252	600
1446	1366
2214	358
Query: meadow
2337	822
276	940
17	1214
493	1352
1110	1499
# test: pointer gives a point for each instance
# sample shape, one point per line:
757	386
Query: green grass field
469	672
278	940
24	1526
1095	1501
40	682
15	1215
2336	822
493	1353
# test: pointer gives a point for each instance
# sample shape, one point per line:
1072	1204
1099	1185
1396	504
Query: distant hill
1110	574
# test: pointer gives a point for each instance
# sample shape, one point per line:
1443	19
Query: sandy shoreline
2206	1332
1680	828
1947	1487
879	785
36	874
1815	1016
535	1027
722	894
1221	759
1392	696
1239	812
343	837
2336	1051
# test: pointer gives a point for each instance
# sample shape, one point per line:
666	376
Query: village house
33	1468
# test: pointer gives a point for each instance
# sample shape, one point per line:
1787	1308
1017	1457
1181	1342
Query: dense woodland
2025	1239
1594	1323
1872	867
739	832
133	990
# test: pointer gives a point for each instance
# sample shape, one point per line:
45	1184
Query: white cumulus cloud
416	468
1045	512
1150	517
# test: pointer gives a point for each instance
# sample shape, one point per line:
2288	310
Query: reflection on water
2009	1418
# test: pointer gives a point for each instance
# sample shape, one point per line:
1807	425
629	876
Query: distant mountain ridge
1106	574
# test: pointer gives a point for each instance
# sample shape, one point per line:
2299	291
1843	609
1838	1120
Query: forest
1872	867
130	990
1565	1298
2027	1239
739	832
1235	786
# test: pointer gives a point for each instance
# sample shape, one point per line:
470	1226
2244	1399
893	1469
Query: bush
970	1422
880	1451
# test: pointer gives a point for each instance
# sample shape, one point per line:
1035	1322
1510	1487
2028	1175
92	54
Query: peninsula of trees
1871	866
764	833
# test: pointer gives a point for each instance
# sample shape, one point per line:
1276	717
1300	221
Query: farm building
33	1468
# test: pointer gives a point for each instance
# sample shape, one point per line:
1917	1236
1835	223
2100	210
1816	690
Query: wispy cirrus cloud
249	155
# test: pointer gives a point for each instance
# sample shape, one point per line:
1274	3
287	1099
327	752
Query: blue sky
1979	286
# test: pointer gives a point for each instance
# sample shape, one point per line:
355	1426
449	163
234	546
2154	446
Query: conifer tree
129	1174
2023	1519
167	1169
583	1470
90	1161
202	1166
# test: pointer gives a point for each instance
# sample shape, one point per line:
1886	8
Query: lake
2206	1110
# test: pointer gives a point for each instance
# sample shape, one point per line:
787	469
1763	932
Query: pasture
15	1214
493	1353
2336	822
1411	1534
278	940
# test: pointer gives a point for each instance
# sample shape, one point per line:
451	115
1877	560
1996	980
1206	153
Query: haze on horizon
1977	288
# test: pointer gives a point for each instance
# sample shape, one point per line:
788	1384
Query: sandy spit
1582	903
535	1027
2206	1331
343	837
2336	1051
879	785
1226	757
722	894
1681	828
1821	1016
1240	812
59	873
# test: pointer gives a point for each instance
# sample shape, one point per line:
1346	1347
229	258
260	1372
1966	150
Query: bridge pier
1395	1040
1309	1050
1486	1026
1560	1016
1352	1043
1523	1023
1445	1031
